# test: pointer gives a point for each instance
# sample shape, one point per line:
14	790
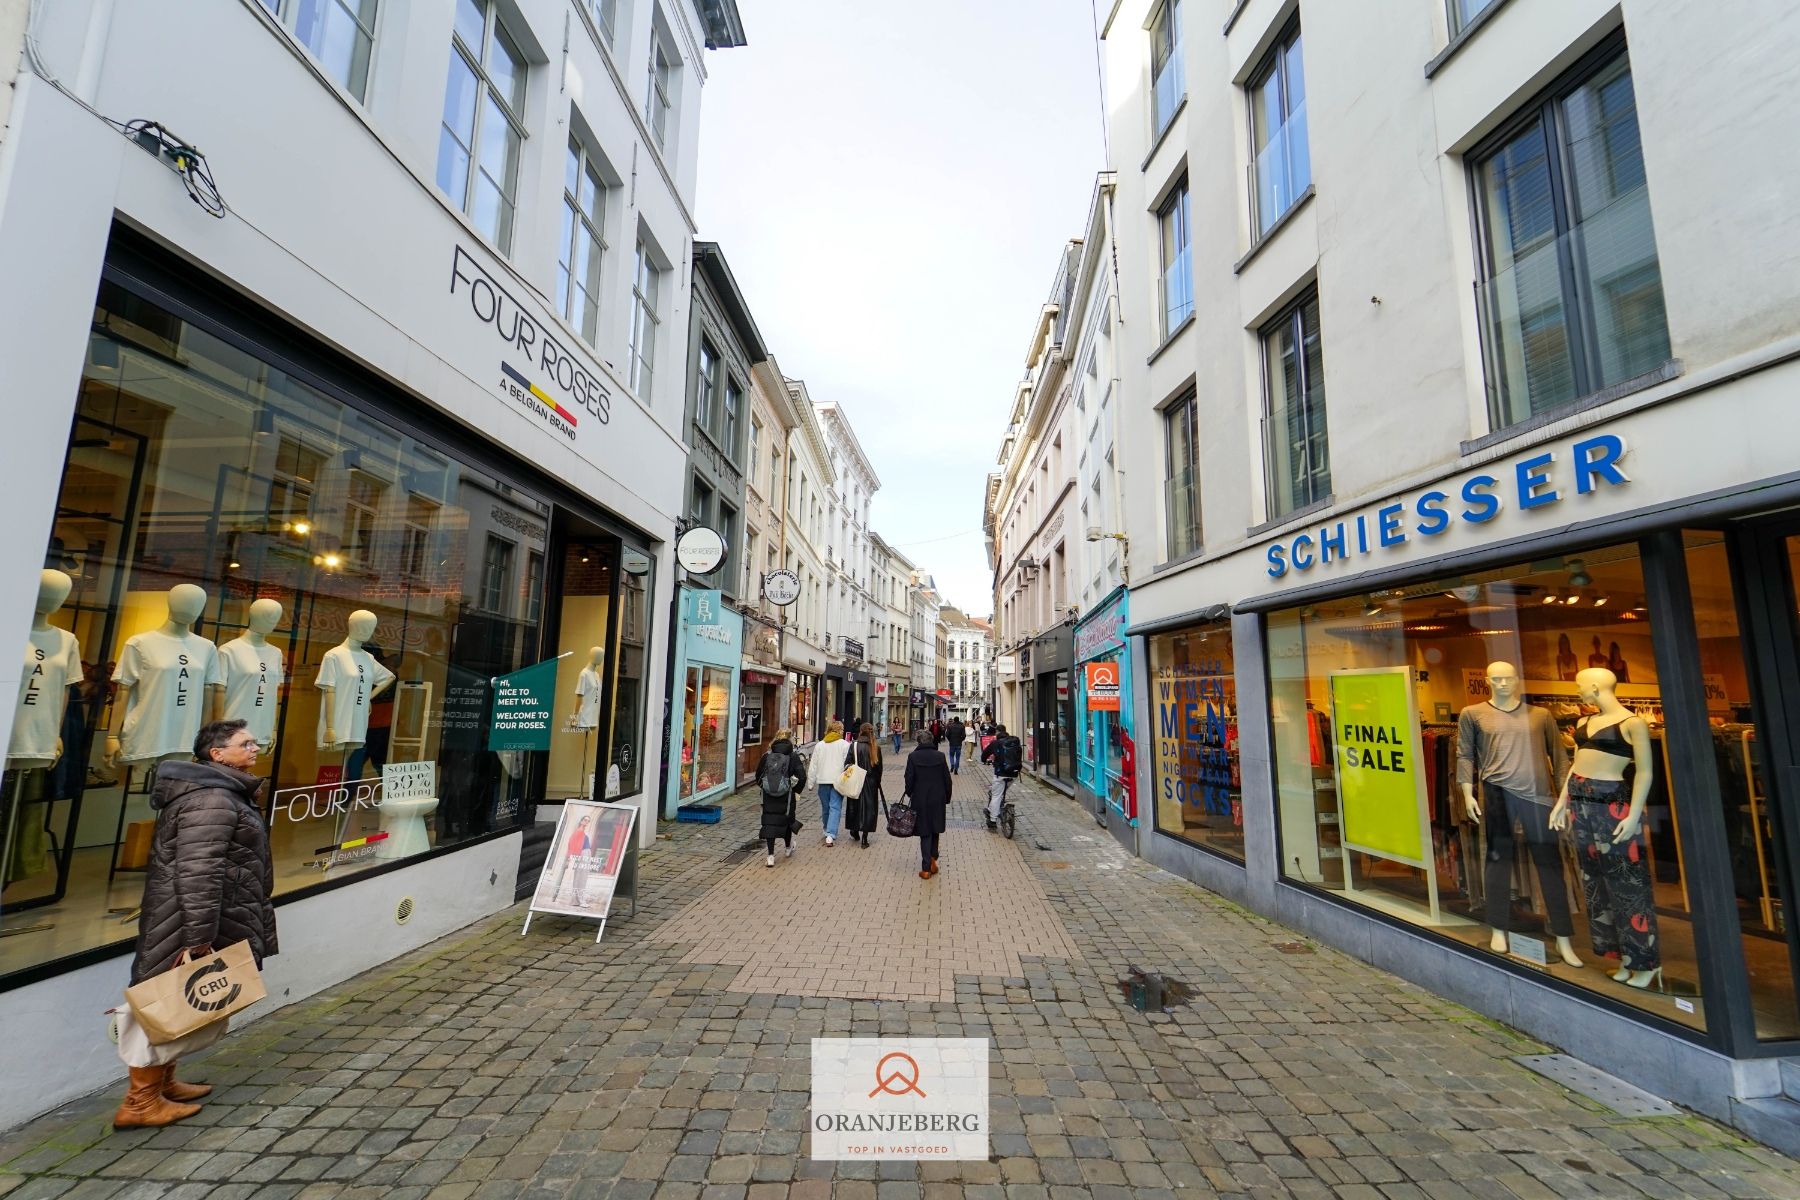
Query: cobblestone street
672	1059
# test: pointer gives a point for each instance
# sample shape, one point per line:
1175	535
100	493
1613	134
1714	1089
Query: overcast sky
892	185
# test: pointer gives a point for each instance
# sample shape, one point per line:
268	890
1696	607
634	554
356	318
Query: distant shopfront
1050	704
1105	745
760	712
708	657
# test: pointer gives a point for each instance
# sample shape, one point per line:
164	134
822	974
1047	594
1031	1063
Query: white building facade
435	388
1455	344
850	596
807	483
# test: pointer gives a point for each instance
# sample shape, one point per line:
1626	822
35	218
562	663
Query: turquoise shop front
702	750
1105	749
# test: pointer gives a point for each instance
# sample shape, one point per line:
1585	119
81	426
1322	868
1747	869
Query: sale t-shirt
52	666
253	678
168	675
587	699
351	675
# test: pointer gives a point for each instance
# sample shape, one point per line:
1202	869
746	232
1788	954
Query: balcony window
1464	11
706	388
578	266
1177	284
483	126
1167	87
1571	297
1181	488
644	321
606	18
1296	451
340	34
1283	168
662	80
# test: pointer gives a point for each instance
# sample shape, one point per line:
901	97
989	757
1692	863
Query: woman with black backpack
780	774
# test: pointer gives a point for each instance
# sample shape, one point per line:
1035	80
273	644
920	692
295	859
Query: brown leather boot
184	1093
144	1105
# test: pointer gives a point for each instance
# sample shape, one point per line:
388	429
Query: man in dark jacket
208	885
1007	755
956	733
780	777
928	786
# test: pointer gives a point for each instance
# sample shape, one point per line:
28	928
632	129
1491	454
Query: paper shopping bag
192	994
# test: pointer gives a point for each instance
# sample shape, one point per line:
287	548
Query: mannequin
1609	842
1508	759
587	692
349	679
254	674
52	667
161	675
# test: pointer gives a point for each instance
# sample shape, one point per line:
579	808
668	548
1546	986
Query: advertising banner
593	847
522	701
1103	686
1380	764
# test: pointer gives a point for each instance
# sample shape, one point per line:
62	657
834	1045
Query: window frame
492	29
1292	317
501	588
731	408
284	12
659	104
1176	207
1165	21
646	277
1544	110
1272	63
707	365
1186	410
1458	22
595	229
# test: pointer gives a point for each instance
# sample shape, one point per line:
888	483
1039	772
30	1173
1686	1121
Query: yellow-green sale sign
1380	774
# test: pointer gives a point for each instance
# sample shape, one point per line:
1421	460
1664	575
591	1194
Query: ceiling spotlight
1578	576
1372	609
1550	598
1573	600
332	560
302	528
232	565
1599	601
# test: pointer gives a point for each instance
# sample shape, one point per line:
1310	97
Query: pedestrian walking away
780	776
1007	756
937	731
956	733
928	788
208	885
823	771
861	810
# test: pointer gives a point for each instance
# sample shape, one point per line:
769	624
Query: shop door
1763	814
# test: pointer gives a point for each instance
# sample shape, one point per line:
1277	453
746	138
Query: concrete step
1790	1078
1772	1120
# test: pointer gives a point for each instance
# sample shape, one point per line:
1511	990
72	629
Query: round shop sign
700	550
781	587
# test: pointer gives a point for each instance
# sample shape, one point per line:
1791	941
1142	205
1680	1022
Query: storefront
804	662
709	647
1050	705
1552	770
247	526
1105	741
760	711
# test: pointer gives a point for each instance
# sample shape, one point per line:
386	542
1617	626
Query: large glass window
483	124
644	320
662	86
706	388
1571	295
1167	88
1283	169
329	578
578	264
1296	446
340	34
1177	282
1181	499
1484	756
1199	794
705	729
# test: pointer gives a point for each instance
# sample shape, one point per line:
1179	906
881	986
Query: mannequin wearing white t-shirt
52	667
162	676
586	716
254	674
349	680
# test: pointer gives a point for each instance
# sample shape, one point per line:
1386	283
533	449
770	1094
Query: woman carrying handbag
928	784
859	818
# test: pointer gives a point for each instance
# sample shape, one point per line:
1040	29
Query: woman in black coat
779	765
928	784
207	886
860	811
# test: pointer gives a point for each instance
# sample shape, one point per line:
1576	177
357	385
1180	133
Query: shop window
705	733
1195	772
1296	443
1571	296
1484	756
630	655
316	564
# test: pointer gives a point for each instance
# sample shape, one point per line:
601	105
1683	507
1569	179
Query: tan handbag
850	783
190	995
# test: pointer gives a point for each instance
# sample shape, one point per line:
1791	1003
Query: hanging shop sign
1102	631
700	550
714	631
536	370
781	588
522	703
1544	479
1006	664
1103	686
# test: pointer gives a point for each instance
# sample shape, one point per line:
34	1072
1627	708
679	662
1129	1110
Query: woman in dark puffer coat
780	774
208	886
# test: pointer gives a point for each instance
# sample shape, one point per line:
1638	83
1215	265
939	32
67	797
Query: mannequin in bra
1607	817
162	677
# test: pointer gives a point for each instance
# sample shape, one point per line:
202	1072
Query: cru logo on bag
203	989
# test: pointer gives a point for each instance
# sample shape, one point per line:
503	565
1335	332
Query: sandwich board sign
592	854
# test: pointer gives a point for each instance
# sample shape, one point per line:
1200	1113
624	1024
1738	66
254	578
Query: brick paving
490	1065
